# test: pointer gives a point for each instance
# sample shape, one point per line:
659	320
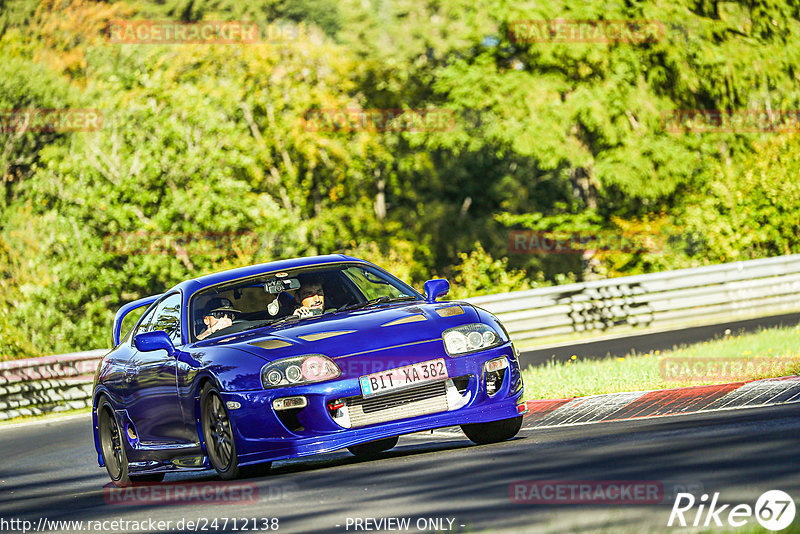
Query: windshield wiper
278	321
372	302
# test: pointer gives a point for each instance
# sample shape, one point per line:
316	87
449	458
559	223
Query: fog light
495	371
287	403
495	365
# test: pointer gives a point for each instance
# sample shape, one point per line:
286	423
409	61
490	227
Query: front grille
421	400
386	402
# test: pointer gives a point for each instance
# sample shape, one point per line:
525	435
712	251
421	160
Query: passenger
220	315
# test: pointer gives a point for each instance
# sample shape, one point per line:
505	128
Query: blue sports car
240	368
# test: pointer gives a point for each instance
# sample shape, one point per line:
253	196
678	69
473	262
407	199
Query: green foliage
205	159
480	274
750	210
16	13
15	339
218	159
26	85
322	13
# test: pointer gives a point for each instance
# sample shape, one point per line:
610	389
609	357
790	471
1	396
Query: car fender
489	318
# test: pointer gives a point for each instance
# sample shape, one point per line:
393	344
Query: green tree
751	209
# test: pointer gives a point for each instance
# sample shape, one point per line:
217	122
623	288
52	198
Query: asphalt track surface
49	471
644	343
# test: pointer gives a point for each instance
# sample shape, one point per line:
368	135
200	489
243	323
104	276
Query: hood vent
324	335
408	319
272	344
450	311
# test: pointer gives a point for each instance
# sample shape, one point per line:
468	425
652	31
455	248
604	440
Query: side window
168	317
144	326
372	284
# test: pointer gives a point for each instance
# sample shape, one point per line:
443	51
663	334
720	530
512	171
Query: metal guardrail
49	384
716	293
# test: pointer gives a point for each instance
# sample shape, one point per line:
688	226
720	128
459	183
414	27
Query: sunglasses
310	292
221	314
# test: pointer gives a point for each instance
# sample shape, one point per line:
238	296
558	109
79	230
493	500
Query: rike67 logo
774	510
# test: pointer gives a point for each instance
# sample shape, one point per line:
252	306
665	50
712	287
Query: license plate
392	379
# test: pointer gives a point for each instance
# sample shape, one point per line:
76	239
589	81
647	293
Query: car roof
195	284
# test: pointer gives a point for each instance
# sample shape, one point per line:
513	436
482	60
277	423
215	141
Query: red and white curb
678	401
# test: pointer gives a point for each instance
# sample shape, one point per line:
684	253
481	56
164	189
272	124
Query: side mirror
156	340
436	288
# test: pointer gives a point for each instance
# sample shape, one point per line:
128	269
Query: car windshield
292	295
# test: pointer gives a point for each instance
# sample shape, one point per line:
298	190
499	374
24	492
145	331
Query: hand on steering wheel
303	311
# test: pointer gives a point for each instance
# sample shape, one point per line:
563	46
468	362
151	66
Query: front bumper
261	435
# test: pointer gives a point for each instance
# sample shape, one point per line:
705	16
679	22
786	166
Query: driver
311	298
220	315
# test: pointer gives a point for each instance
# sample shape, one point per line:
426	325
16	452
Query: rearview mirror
279	285
156	340
436	288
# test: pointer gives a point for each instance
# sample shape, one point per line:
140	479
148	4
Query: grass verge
735	357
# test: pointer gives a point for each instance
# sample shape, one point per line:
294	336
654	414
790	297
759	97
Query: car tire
373	448
218	434
111	445
255	470
494	431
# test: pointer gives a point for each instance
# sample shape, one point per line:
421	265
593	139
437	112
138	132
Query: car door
123	383
151	376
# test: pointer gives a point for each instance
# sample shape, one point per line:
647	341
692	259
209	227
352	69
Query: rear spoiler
125	310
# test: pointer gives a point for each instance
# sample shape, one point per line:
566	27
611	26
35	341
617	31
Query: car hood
351	334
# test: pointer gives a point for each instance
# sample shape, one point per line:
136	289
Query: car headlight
299	370
469	338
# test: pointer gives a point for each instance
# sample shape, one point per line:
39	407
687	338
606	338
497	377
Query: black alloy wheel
218	434
111	446
113	449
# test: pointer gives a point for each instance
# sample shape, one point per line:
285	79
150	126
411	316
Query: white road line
599	407
35	422
781	392
795	398
767	390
